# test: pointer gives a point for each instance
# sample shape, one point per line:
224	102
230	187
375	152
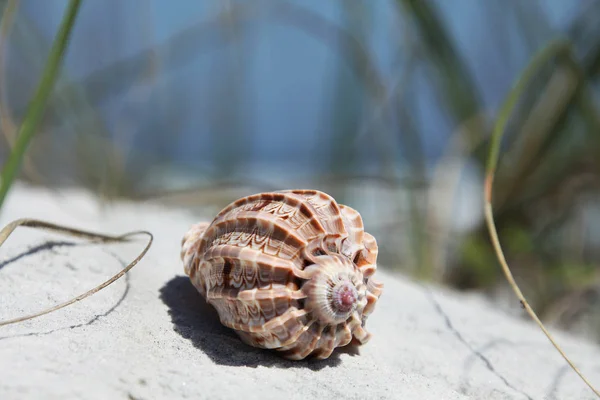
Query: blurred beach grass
372	151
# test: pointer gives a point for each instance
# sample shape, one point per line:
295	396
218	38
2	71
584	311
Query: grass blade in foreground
38	103
540	59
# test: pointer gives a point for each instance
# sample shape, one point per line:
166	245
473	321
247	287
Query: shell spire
290	271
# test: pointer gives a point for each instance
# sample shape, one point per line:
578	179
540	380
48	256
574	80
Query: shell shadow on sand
196	320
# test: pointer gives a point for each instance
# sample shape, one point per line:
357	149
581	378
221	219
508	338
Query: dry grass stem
96	237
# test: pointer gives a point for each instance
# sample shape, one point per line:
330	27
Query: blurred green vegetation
37	105
546	190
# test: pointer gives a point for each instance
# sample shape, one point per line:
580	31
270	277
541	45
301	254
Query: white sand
151	336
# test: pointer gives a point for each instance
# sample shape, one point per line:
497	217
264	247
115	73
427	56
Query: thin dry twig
96	237
540	59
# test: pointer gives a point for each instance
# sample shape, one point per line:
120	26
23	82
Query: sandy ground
151	336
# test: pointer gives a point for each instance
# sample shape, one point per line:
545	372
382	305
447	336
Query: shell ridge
244	266
264	200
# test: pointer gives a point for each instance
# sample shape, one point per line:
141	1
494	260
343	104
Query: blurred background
386	105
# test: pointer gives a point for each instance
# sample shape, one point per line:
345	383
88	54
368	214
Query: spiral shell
289	270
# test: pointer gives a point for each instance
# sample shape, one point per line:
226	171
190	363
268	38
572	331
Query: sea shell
289	270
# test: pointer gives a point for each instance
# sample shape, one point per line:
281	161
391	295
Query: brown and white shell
290	271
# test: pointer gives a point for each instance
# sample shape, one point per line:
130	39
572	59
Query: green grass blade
36	107
547	53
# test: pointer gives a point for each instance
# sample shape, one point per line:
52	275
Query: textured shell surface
290	271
